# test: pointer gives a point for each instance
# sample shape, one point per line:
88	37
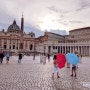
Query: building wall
10	41
77	40
80	35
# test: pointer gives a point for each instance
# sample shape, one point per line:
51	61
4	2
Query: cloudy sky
46	14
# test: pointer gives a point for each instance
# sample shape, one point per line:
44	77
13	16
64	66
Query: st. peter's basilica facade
15	40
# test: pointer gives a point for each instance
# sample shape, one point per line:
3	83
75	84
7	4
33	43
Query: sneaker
58	76
71	75
75	75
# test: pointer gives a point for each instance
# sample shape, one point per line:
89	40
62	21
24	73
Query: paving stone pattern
32	75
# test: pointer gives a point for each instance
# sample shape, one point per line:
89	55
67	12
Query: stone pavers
32	75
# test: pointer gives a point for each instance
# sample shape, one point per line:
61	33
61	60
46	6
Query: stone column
11	44
15	44
51	50
65	49
18	45
73	48
70	49
62	49
86	50
89	50
23	45
28	45
78	49
7	44
83	50
2	43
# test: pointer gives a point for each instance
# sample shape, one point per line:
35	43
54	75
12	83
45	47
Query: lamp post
34	51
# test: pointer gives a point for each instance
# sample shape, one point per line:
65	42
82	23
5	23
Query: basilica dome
14	28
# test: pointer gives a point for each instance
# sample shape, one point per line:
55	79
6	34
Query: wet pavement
32	75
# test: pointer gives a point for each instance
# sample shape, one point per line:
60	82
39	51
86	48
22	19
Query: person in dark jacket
48	57
1	57
19	57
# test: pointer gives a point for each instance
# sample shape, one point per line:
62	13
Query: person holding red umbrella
55	67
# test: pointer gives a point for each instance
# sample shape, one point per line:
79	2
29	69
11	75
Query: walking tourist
73	70
55	67
19	57
48	57
1	57
74	66
7	57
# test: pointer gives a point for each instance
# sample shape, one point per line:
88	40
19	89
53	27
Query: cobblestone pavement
32	75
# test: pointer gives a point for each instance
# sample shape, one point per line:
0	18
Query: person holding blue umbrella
74	60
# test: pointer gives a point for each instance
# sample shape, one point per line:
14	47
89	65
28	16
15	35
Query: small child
55	67
73	70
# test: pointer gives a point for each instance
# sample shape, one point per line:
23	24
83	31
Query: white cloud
62	14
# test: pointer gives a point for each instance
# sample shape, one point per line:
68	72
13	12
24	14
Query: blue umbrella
72	58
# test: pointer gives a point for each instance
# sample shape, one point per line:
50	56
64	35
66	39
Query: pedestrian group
8	55
43	60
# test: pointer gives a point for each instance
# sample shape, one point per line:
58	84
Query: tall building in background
15	39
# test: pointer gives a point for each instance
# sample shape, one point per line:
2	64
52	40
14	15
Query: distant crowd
8	55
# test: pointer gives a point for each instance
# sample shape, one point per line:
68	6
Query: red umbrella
61	60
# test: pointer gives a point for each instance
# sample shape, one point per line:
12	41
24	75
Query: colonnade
82	49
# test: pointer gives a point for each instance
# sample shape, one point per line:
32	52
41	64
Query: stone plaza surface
32	75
